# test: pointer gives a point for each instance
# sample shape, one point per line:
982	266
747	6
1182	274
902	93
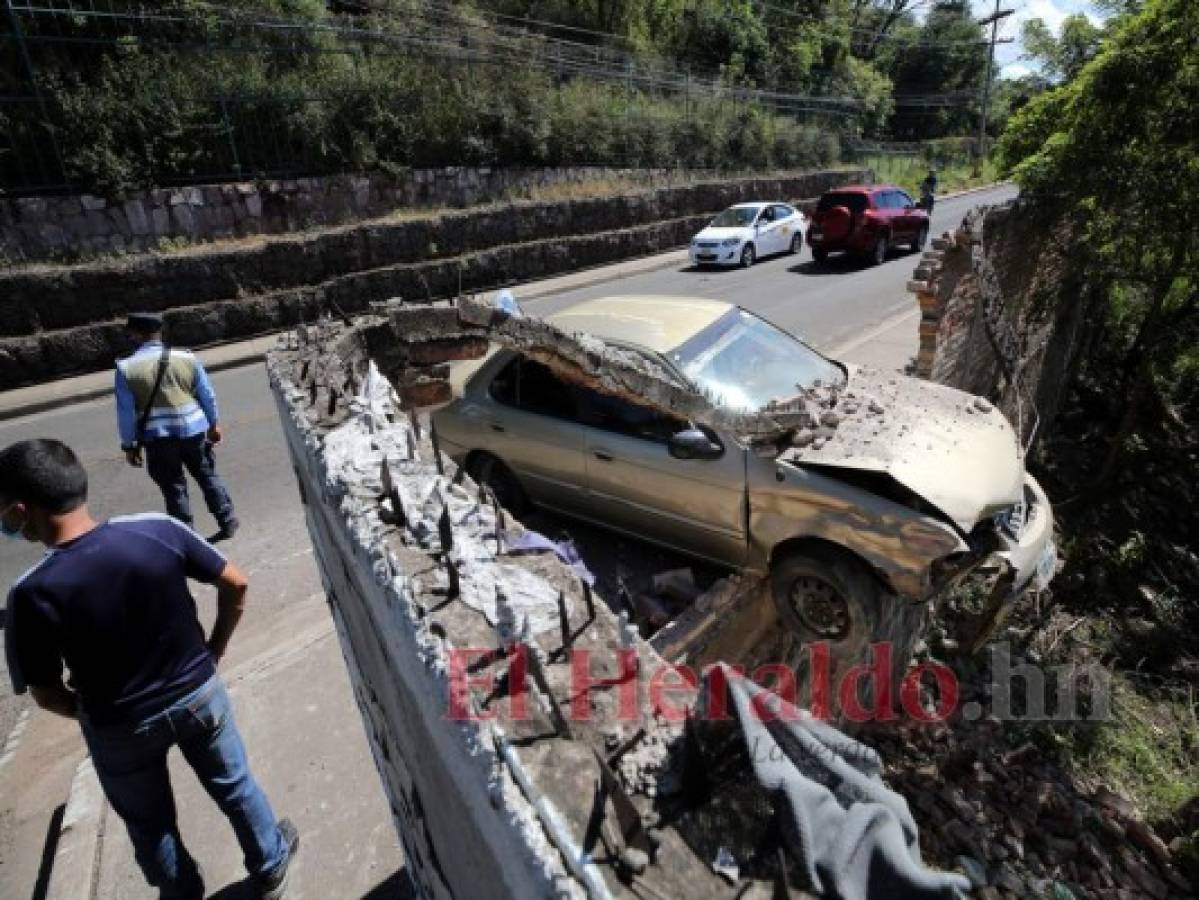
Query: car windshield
736	217
745	362
852	202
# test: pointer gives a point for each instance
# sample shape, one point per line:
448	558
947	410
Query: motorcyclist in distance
928	190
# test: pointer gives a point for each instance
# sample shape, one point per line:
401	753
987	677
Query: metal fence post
229	136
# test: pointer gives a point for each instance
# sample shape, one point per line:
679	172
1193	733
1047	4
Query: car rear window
853	202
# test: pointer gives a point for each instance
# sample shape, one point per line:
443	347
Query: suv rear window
855	203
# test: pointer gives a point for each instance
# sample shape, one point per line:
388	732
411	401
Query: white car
748	231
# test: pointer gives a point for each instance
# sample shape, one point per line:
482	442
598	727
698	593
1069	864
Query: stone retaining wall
56	321
44	228
1000	312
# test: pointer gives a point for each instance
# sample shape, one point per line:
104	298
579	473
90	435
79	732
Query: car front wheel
796	244
819	255
747	256
835	609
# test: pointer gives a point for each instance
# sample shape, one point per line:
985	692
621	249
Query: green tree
948	62
1117	149
1061	58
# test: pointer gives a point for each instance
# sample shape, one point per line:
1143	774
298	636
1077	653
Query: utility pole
993	20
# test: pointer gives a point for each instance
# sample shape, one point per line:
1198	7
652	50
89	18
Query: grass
1148	750
908	171
587	189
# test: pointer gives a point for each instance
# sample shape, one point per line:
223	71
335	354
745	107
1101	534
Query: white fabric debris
725	865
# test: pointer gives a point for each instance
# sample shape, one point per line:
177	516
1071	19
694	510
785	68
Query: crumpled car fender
788	503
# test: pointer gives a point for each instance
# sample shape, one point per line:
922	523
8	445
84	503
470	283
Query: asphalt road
825	305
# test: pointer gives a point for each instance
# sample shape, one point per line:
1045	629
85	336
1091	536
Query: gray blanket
853	836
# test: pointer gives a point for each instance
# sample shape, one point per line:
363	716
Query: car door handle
496	426
602	455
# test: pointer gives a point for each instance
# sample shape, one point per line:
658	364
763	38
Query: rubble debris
675	584
411	345
685	637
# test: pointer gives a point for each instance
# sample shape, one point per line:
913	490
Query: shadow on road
845	264
397	887
710	270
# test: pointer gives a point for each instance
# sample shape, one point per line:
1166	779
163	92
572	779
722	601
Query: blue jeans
166	459
131	761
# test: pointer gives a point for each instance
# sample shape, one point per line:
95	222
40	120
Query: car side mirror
692	443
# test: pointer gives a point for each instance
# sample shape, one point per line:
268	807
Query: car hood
953	449
717	234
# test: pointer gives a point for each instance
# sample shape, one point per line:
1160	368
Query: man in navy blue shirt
110	600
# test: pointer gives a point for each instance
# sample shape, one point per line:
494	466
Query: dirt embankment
57	321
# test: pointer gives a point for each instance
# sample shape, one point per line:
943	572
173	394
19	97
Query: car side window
533	387
783	212
541	391
608	413
503	386
767	214
904	199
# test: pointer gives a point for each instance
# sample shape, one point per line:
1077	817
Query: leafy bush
205	97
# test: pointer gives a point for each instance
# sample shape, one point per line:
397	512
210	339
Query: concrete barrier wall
460	819
560	800
66	320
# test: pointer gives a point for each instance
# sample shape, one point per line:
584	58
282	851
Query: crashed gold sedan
864	499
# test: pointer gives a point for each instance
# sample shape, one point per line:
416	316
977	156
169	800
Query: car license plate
1046	566
815	235
705	256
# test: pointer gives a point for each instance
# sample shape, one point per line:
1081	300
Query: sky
1053	12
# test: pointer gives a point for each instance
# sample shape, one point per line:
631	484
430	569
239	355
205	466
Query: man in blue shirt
166	405
110	600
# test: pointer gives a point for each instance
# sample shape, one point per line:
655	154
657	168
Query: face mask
9	531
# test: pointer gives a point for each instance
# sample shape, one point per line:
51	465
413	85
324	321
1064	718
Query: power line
454	45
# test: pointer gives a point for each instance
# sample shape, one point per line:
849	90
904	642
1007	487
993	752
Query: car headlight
730	242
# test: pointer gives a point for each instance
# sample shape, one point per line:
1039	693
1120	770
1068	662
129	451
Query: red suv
868	220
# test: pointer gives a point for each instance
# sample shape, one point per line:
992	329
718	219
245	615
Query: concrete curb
973	190
217	357
76	865
80	389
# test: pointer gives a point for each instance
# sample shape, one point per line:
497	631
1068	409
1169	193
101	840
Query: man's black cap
144	321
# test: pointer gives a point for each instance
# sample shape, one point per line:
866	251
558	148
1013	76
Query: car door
766	236
532	426
696	506
789	224
885	209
